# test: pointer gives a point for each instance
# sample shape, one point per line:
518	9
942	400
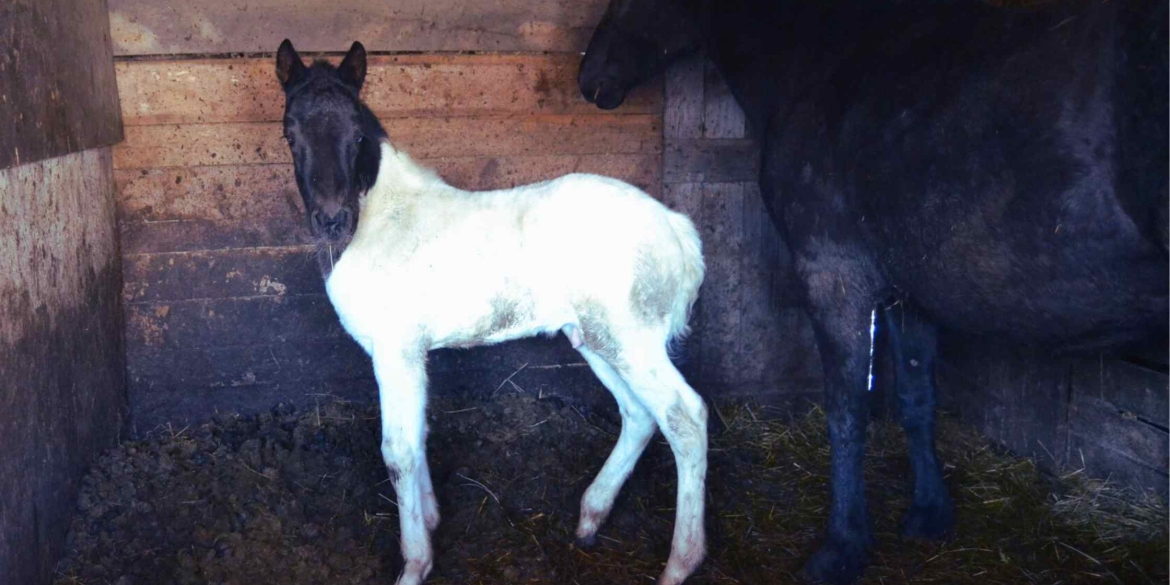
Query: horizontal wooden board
1126	387
549	368
234	322
227	192
269	191
1114	444
259	364
423	138
246	90
185	276
335	360
156	27
1099	422
192	235
728	160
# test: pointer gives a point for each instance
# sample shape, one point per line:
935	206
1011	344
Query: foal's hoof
836	562
929	522
586	542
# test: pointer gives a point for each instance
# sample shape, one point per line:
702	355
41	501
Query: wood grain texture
231	322
715	160
751	337
269	191
423	138
683	117
246	90
169	389
722	291
162	27
722	116
1095	413
57	89
193	235
222	298
62	374
216	274
1111	443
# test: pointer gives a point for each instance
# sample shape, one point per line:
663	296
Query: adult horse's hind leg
914	341
637	429
682	417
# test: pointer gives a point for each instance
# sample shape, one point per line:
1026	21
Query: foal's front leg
402	380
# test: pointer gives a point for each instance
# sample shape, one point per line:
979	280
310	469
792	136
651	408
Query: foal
413	264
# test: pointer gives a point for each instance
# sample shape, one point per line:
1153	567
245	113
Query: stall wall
224	307
752	339
62	368
1105	414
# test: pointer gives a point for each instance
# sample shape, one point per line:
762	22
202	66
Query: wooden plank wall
57	92
200	27
62	365
1107	415
751	338
224	306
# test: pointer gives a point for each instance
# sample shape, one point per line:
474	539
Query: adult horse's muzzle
603	93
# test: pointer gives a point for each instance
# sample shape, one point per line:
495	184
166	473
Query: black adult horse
1003	171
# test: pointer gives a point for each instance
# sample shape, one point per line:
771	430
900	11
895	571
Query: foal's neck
399	175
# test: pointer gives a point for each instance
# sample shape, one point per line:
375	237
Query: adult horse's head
334	139
636	40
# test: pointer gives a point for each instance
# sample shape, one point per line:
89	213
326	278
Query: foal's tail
693	270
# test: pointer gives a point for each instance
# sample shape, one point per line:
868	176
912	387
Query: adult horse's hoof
929	522
836	562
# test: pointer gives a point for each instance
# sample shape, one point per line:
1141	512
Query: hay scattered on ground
300	497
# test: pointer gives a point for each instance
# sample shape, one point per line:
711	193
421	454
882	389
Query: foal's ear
289	68
352	70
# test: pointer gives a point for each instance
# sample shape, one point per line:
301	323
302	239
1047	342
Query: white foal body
431	266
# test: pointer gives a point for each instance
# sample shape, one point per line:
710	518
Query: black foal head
334	139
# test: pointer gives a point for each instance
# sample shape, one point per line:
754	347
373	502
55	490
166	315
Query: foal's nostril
335	226
316	220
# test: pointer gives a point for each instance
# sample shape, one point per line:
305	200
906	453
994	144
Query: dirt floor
301	497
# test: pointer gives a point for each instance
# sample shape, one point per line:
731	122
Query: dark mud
302	498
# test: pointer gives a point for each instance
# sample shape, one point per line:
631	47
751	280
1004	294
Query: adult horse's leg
915	344
842	290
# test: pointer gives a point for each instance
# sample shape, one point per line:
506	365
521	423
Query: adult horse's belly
1076	273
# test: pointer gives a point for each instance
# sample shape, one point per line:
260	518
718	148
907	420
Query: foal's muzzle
334	227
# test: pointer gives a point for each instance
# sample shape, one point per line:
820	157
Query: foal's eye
360	138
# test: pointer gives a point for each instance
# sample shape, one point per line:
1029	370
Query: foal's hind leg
430	504
682	417
637	429
914	342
